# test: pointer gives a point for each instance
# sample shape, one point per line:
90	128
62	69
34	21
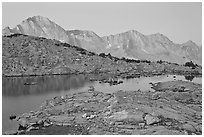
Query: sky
180	22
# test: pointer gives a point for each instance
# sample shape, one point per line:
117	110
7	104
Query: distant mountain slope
130	44
133	44
86	39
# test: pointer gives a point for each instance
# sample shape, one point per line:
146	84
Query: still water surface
18	98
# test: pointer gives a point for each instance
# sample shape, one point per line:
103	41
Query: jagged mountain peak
157	35
131	32
7	27
7	31
38	21
160	37
38	17
134	33
42	27
189	42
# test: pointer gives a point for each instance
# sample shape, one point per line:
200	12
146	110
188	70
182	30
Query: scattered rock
141	124
30	128
156	95
91	116
189	127
199	128
119	115
40	122
23	122
61	118
151	119
46	124
26	115
168	123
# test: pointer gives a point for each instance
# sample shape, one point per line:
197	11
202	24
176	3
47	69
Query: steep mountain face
41	27
133	44
7	31
130	44
192	51
86	39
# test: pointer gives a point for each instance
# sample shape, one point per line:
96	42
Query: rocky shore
173	108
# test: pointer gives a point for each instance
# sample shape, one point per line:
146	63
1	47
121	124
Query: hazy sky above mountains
180	22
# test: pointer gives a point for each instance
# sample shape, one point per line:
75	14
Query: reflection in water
19	98
190	77
15	86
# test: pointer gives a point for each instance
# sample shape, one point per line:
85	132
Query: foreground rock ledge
174	108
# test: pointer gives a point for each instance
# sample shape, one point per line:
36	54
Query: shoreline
184	73
172	108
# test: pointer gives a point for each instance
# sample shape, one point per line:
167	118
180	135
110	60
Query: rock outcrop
120	113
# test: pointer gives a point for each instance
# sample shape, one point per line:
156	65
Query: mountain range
130	44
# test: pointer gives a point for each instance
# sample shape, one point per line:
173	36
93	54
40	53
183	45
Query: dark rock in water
31	83
12	117
111	81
